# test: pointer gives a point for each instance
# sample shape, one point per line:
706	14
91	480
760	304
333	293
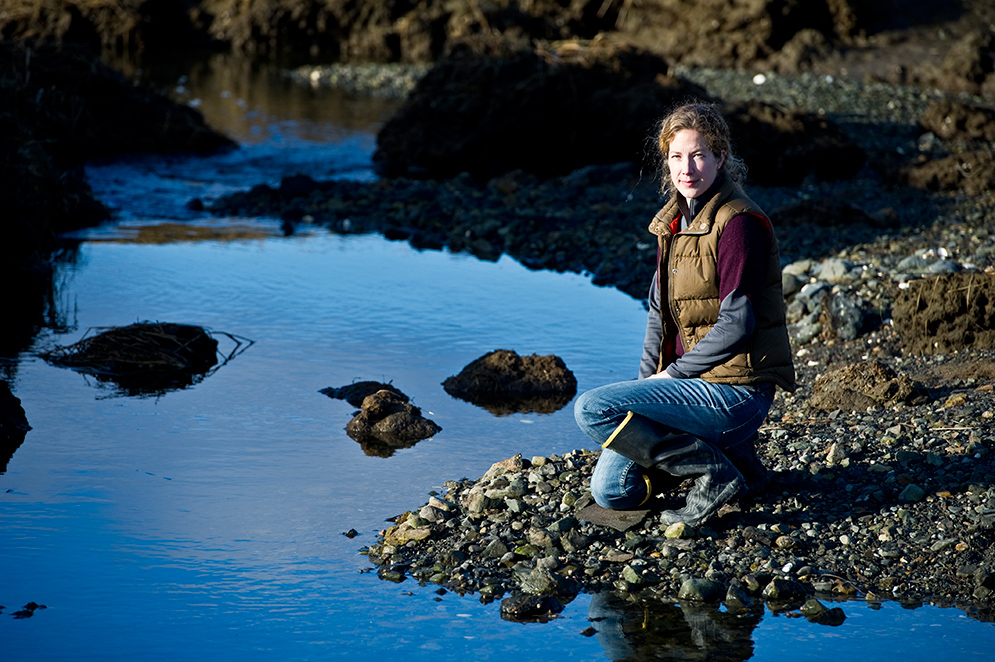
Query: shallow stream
208	523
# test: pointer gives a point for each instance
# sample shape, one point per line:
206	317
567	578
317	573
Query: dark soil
900	41
13	425
943	315
552	112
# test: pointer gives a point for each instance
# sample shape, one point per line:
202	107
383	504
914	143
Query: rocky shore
883	488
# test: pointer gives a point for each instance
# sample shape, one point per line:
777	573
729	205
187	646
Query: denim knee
617	482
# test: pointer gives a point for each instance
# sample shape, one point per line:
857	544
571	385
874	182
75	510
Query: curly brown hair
707	120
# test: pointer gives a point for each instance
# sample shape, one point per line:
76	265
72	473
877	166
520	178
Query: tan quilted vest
689	292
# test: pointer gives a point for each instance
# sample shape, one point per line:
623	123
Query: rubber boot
744	457
716	482
659	449
642	439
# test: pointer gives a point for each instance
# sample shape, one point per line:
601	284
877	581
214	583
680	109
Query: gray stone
796	310
737	598
620	520
913	264
495	550
805	332
812	291
542	581
701	590
834	270
912	493
633	576
561	526
540	538
943	267
791	284
813	607
798	268
845	317
784	589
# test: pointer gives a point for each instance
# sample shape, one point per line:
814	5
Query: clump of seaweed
146	358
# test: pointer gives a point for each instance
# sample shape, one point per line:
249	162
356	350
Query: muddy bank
932	43
552	111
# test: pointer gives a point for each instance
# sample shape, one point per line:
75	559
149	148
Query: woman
716	338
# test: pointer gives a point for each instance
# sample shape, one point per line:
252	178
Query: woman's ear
722	160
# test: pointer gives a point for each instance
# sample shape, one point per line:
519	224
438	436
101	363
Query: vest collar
691	208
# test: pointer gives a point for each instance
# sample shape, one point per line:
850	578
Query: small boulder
388	422
504	382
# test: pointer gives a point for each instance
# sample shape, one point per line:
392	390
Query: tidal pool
207	523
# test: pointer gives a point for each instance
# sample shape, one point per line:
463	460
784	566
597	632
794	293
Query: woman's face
693	167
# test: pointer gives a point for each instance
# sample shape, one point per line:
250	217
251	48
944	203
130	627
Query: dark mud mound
972	172
503	382
966	162
953	120
146	358
60	108
732	34
13	425
946	314
552	112
857	386
123	27
969	64
719	33
388	422
545	112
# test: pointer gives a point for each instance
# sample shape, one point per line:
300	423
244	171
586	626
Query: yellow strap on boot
649	491
628	417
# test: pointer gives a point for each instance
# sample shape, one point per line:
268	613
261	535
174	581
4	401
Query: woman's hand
663	374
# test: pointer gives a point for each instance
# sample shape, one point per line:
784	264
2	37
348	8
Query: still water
207	523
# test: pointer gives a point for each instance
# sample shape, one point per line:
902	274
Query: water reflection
248	100
13	425
639	628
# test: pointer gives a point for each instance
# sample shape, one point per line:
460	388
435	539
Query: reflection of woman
657	629
716	340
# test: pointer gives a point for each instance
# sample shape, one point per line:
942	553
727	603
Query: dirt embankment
902	41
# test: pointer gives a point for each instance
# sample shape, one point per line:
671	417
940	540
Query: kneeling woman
716	338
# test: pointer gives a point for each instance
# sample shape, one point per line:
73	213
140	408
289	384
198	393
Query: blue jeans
720	414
